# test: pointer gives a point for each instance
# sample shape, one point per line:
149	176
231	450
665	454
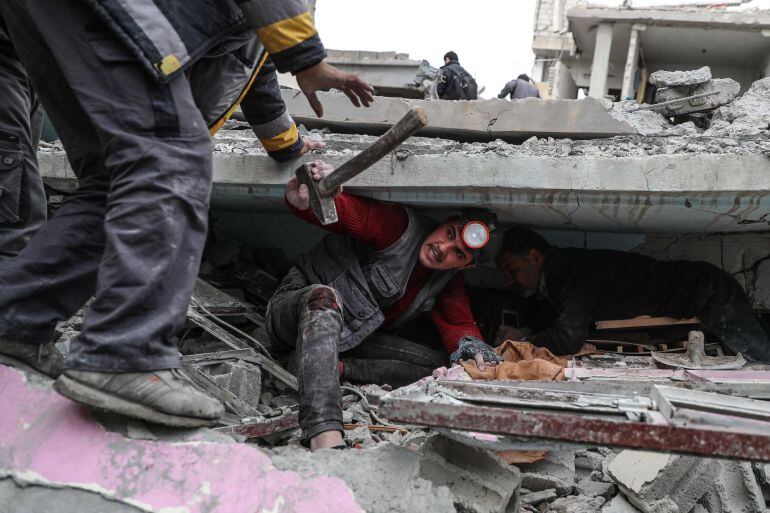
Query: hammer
321	192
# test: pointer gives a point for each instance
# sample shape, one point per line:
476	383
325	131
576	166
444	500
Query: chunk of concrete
477	120
576	504
480	480
619	504
595	488
557	470
748	115
534	498
664	78
735	490
241	378
721	91
662	483
384	479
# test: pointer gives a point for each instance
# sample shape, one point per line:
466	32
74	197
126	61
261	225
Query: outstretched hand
324	76
298	195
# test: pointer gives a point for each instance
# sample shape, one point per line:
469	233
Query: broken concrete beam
660	482
384	479
480	480
53	449
711	95
478	120
557	470
576	504
735	490
619	504
664	78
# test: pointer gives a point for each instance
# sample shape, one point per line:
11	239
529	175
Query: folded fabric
523	361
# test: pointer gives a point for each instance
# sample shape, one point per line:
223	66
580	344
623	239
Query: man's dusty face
443	249
522	273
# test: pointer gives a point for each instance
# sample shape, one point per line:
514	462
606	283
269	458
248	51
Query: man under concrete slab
132	234
382	266
589	285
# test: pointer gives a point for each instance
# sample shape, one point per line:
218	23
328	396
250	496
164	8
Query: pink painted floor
45	438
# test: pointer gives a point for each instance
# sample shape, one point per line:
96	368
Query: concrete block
735	490
662	483
724	90
595	488
534	498
243	379
557	470
748	115
478	120
619	504
479	480
664	78
576	504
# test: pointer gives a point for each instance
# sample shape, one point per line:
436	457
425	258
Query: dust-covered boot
41	357
162	397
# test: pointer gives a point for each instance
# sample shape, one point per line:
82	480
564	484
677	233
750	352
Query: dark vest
370	281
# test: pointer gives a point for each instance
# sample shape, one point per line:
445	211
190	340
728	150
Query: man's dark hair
451	56
524	76
519	241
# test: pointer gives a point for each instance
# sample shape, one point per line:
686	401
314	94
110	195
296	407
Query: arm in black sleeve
506	90
266	112
442	81
573	323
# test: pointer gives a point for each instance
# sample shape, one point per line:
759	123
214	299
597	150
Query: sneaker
162	397
41	357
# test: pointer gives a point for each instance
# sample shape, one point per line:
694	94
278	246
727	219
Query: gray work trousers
22	196
132	233
307	319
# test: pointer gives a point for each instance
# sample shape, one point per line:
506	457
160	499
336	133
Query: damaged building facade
649	416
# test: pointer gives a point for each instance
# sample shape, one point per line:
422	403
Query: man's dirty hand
323	76
309	145
298	195
471	348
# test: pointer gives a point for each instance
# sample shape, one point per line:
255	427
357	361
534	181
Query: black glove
470	347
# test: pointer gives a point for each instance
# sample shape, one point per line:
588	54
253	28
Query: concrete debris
595	488
480	481
385	479
735	490
619	504
242	379
749	115
664	78
646	122
557	471
535	498
662	483
576	504
703	97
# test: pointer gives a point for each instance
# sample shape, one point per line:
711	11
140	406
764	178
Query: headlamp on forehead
475	235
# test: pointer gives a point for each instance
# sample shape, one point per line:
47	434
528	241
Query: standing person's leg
728	314
154	172
22	196
308	319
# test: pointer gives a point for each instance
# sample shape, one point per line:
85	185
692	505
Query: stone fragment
748	115
662	483
619	504
645	121
664	78
557	470
576	504
360	436
724	91
479	480
735	490
538	497
241	378
595	488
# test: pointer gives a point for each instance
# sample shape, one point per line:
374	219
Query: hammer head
322	205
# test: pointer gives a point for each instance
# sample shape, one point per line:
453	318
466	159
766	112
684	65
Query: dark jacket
370	281
455	83
519	88
591	285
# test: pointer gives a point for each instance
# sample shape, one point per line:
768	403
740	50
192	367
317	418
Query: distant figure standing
454	82
521	87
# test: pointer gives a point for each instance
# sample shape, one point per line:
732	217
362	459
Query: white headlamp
475	235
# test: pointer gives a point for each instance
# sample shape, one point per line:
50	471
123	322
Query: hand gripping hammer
321	192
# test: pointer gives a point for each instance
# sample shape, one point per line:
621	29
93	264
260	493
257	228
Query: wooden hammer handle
412	121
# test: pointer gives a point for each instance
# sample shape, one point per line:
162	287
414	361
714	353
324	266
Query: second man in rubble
382	266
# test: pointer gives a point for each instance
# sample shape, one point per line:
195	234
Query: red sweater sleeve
370	221
452	314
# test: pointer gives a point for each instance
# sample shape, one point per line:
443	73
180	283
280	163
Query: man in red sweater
382	266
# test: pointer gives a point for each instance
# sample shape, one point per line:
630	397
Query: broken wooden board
644	321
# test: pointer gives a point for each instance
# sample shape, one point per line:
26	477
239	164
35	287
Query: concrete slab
478	120
557	471
660	482
53	451
721	91
665	78
735	489
619	504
